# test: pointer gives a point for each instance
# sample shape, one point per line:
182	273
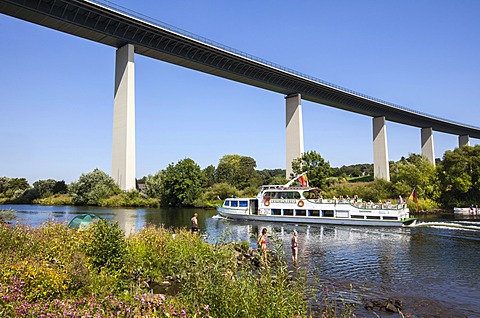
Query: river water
433	268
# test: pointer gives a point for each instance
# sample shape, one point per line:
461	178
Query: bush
92	187
216	194
7	215
423	205
106	245
57	199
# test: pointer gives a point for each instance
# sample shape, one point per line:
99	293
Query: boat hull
228	213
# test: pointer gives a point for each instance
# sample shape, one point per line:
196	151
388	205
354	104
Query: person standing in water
195	223
294	247
262	244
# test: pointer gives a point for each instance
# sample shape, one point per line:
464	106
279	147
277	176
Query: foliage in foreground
60	272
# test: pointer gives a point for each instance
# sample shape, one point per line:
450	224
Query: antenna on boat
303	180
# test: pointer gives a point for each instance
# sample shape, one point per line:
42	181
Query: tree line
454	181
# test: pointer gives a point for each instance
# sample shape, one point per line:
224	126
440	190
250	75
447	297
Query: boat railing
362	204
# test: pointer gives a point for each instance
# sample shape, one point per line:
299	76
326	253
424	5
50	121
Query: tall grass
56	271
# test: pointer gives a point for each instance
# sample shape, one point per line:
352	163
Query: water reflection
127	220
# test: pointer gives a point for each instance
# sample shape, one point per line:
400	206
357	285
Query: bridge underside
151	38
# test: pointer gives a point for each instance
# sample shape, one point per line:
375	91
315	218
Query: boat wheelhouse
305	205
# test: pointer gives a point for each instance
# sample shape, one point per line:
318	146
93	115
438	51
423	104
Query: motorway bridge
132	33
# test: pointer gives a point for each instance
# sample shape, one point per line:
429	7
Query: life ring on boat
267	202
301	203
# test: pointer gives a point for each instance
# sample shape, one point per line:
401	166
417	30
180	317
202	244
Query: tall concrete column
427	144
294	130
463	140
123	140
380	149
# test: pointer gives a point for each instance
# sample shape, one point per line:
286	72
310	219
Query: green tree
60	187
238	171
459	175
272	176
417	172
3	186
181	183
356	170
13	187
209	176
92	187
318	170
45	188
153	185
220	191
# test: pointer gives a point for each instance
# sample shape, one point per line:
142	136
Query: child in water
294	247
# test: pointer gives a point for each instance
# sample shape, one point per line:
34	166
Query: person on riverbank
262	244
195	223
294	247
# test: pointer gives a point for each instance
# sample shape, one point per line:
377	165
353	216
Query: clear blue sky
56	90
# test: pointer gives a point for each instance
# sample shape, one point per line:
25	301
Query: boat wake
468	226
218	216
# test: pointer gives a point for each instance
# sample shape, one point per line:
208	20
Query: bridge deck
116	27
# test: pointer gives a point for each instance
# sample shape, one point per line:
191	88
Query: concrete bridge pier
427	144
123	139
463	140
294	130
381	168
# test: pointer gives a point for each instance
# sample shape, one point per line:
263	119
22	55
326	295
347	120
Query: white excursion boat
281	203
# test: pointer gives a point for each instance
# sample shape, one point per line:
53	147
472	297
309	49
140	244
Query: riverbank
53	270
56	271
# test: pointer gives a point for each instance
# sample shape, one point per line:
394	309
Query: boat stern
409	221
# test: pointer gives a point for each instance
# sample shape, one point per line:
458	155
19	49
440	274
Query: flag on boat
414	198
303	180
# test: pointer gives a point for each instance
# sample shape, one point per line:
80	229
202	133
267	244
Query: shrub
92	187
7	215
56	199
106	247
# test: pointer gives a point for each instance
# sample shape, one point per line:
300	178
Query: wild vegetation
453	182
55	271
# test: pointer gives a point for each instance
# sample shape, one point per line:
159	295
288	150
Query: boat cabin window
287	212
282	195
234	203
390	218
276	212
313	213
327	213
243	204
357	217
301	212
227	203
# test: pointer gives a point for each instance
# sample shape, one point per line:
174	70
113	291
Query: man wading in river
195	223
